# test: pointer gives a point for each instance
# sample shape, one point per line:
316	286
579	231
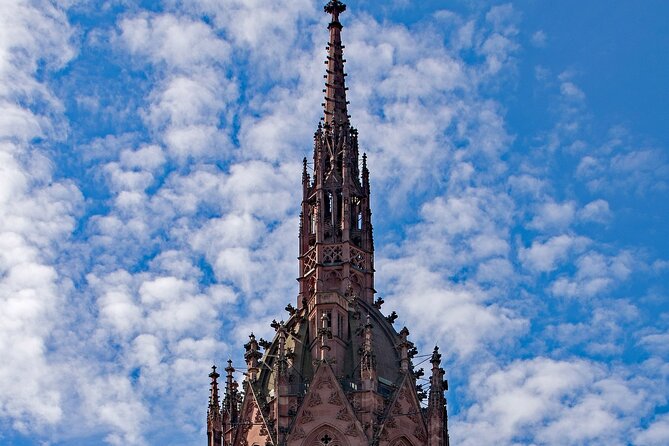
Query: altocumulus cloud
149	182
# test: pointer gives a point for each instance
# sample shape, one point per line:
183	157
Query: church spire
335	87
336	243
330	376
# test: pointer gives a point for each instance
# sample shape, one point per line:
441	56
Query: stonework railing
309	261
334	255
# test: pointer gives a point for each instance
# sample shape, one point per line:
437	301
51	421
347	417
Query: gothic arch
333	280
402	441
354	284
326	435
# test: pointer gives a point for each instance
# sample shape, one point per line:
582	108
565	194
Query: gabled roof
403	414
326	404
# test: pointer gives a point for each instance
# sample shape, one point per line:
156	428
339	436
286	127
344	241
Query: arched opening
326	436
339	209
402	441
312	221
329	205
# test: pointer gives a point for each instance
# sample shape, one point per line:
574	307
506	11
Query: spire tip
334	7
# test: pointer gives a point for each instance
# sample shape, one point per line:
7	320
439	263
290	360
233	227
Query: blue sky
150	161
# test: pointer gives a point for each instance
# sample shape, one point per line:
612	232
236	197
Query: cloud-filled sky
150	164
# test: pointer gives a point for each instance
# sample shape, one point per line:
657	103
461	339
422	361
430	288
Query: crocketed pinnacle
214	406
335	87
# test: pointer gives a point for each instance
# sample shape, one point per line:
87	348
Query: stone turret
252	357
436	409
214	420
230	407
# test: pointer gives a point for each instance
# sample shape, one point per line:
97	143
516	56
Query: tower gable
252	428
403	421
326	409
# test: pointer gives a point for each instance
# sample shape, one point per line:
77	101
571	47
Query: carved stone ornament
298	433
344	415
307	417
335	399
403	394
258	418
420	434
397	408
314	400
351	431
323	382
246	427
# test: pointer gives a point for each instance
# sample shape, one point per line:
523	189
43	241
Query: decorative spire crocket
335	86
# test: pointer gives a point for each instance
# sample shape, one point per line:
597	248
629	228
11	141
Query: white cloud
657	343
656	434
200	206
539	38
37	216
603	334
148	158
187	110
179	42
187	104
525	184
547	256
455	234
547	401
462	319
570	91
112	402
596	211
595	273
553	215
624	167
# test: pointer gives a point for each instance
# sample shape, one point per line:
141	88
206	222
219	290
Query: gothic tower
337	373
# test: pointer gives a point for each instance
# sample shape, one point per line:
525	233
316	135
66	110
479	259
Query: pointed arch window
326	437
339	208
401	442
356	213
312	221
328	316
329	206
